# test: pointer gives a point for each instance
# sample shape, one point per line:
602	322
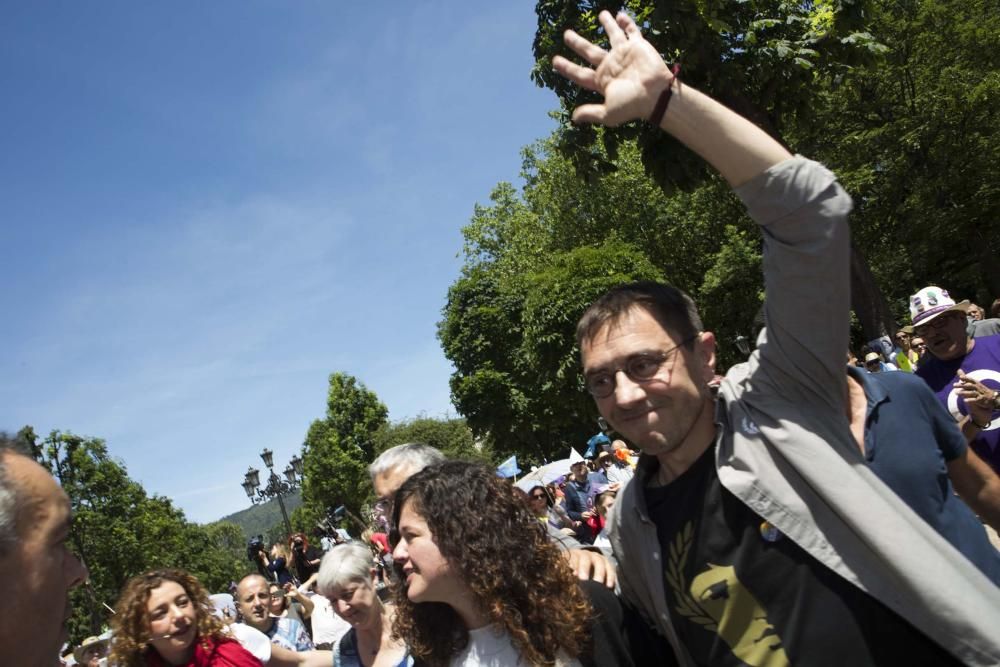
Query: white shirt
327	626
252	639
492	647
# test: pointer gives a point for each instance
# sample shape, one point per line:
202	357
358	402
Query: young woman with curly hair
164	617
480	582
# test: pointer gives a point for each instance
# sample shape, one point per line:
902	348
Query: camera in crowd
254	548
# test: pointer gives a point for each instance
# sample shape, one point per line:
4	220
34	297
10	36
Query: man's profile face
386	484
35	606
945	335
253	597
658	414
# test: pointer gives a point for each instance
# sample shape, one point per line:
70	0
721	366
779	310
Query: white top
492	647
327	626
252	639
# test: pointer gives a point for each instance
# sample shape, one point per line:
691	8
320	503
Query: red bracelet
661	103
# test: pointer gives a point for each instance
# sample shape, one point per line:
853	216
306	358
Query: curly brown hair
130	625
487	533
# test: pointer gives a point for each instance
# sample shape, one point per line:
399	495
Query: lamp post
275	486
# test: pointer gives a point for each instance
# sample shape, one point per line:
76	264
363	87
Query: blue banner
509	467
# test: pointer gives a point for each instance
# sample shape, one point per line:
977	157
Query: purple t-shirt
982	364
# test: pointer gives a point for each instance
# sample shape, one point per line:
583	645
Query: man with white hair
34	551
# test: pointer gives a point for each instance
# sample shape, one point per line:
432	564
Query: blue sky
207	208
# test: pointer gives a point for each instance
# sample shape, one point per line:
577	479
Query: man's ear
705	350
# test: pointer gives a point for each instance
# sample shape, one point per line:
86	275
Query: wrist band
981	427
661	103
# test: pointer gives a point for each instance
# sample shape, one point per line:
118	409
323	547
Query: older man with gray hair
34	551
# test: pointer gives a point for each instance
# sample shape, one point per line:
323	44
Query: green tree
338	449
914	139
452	436
766	59
759	57
535	260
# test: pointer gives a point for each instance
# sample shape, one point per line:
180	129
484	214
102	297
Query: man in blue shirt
914	446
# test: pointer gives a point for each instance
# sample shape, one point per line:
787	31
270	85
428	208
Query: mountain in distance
261	519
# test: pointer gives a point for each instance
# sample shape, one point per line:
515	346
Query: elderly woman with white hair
347	579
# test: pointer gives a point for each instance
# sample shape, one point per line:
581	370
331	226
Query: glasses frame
937	323
661	357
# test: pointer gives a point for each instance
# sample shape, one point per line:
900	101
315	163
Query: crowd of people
795	511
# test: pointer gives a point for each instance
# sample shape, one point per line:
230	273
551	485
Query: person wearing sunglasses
904	356
548	512
962	370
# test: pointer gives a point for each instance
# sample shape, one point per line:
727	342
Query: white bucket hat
932	301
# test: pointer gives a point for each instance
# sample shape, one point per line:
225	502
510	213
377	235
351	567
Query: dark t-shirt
741	593
303	569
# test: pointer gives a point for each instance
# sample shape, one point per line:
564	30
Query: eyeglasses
937	323
537	496
277	596
638	368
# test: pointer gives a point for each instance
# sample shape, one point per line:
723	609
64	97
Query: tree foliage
119	531
914	139
535	260
765	59
452	436
338	449
759	57
900	99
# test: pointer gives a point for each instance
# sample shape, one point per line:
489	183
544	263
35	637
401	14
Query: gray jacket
784	447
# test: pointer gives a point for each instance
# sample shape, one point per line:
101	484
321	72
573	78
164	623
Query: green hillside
265	518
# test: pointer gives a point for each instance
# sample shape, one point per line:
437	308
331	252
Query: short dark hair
673	309
995	308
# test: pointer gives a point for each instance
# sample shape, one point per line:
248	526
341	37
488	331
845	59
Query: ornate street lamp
268	457
275	487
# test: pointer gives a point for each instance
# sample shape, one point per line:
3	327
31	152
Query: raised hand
630	76
978	397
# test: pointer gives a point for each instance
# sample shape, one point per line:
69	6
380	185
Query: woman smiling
165	618
347	578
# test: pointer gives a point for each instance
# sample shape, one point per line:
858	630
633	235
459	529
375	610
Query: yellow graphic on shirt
720	603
